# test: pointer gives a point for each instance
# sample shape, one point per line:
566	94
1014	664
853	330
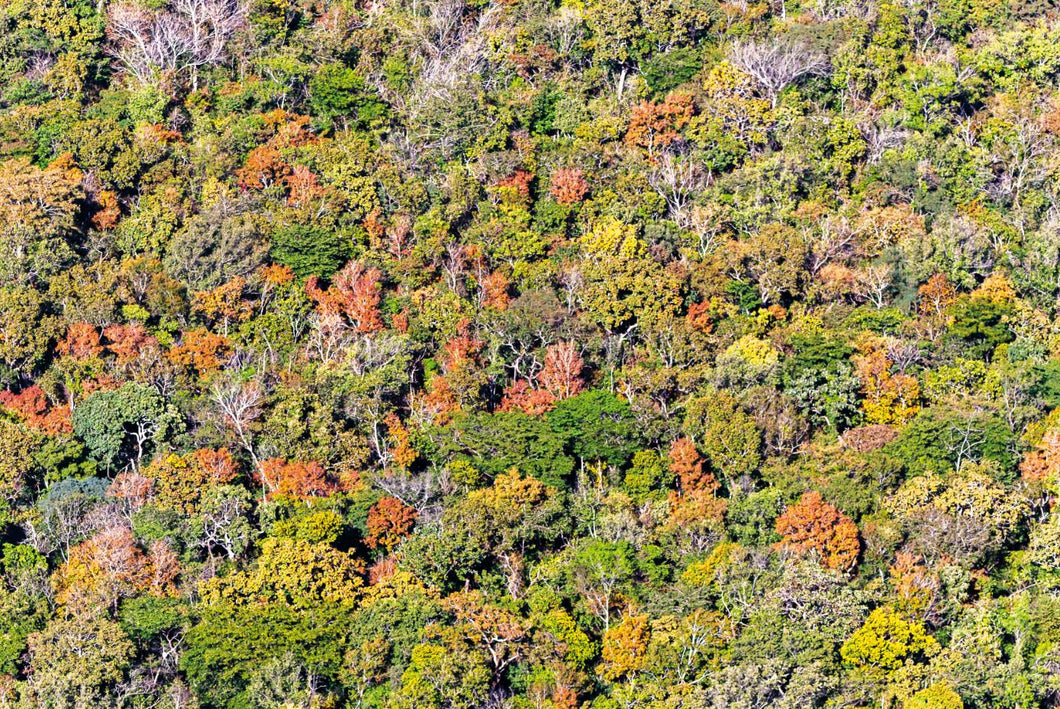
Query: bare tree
188	35
239	406
873	283
678	179
775	64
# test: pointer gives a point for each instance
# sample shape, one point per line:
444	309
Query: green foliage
228	645
448	355
596	426
496	443
124	425
310	251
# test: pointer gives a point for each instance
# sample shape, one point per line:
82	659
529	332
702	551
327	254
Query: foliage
595	353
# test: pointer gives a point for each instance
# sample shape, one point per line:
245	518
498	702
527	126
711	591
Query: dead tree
775	64
180	39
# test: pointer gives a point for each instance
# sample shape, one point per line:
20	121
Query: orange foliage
264	168
109	567
389	521
225	303
699	317
936	295
691	468
564	698
813	525
568	186
400	442
355	295
374	225
625	648
160	134
523	397
440	402
276	275
108	214
303	186
32	407
299	480
382	570
654	126
461	353
81	342
560	378
520	182
495	291
129	342
199	349
1043	463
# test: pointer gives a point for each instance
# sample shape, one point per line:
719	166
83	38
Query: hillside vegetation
529	354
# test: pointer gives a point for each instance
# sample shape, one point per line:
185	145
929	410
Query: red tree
389	521
300	480
355	295
568	186
813	525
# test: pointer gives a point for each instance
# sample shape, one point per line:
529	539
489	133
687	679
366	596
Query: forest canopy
529	354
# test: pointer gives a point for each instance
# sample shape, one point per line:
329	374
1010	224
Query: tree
353	298
109	567
510	521
214	247
494	444
25	329
77	662
596	426
602	571
309	250
299	480
885	642
813	525
199	350
655	126
16	467
292	572
123	426
338	92
222	515
776	64
625	647
728	435
181	482
389	521
188	35
38	211
229	645
568	186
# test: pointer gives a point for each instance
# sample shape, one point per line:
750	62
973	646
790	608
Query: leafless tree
903	354
710	225
678	179
873	283
239	405
835	240
186	36
776	64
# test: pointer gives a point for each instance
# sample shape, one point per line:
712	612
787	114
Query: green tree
125	425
